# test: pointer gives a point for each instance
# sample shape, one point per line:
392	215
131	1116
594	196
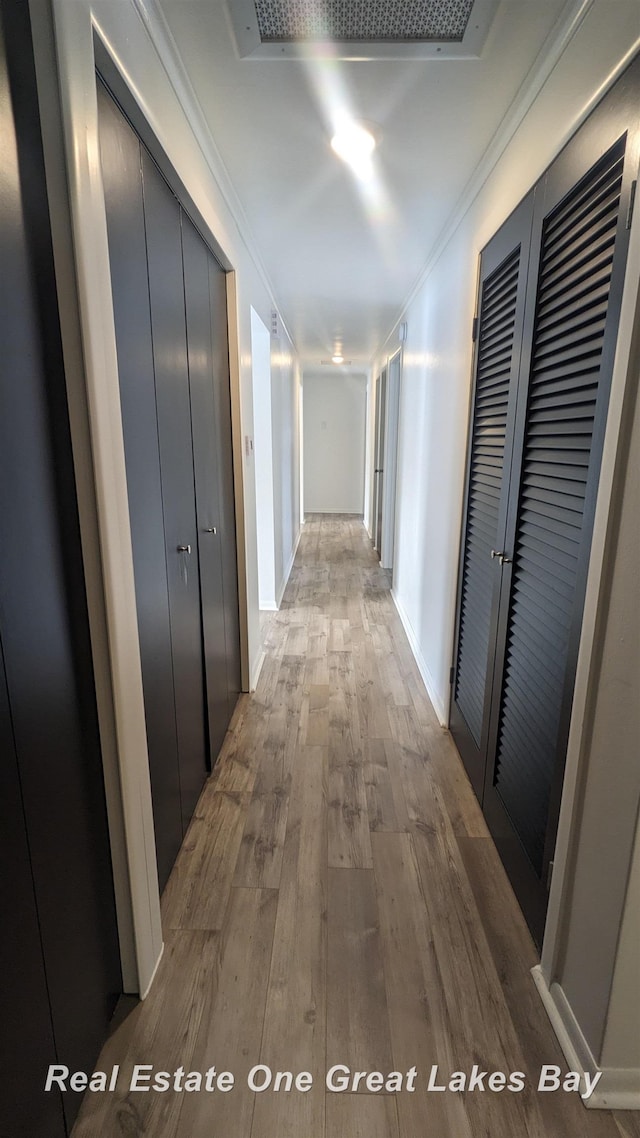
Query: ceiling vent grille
361	29
376	22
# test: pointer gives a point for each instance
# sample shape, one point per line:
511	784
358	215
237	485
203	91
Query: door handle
500	556
183	548
379	471
211	529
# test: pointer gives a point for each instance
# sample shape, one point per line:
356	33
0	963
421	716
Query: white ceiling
342	258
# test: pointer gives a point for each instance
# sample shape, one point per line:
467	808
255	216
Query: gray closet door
169	297
166	294
24	1107
532	487
378	474
207	481
122	179
571	333
228	547
57	888
502	286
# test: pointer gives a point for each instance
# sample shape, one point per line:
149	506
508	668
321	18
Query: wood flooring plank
473	995
162	1030
343	701
371	703
260	856
198	889
430	764
348	814
259	859
318	640
420	1028
297	640
348	820
337	603
385	801
294	1037
627	1122
339	636
392	683
317	670
361	1116
463	807
237	764
357	1018
514	956
314	714
235	771
337	764
230	1036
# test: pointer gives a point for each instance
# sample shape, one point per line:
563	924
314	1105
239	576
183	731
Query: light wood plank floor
338	900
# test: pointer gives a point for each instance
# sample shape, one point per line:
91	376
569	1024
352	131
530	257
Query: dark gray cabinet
59	958
173	405
169	296
121	172
549	303
207	479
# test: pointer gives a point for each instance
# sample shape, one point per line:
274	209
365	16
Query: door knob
378	471
500	556
211	529
184	548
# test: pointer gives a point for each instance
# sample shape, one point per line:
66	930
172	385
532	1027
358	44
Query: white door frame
263	461
390	463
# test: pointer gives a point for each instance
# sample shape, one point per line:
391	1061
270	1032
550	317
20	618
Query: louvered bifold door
503	273
573	303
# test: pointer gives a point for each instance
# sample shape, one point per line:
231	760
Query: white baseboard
427	678
274	607
618	1088
143	995
257	668
287	572
269	606
332	510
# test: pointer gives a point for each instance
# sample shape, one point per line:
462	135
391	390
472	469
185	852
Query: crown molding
161	37
552	50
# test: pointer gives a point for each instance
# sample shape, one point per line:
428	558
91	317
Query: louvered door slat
572	312
548	324
543	603
580	204
580	265
493	376
567	299
563	545
568	336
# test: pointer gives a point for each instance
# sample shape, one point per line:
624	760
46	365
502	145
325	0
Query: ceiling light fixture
337	359
354	143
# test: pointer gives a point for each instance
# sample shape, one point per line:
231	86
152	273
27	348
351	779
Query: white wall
285	422
263	460
334	414
621	1045
390	461
434	415
436	367
164	95
434	396
601	985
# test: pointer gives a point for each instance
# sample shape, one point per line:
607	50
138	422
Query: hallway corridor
338	900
